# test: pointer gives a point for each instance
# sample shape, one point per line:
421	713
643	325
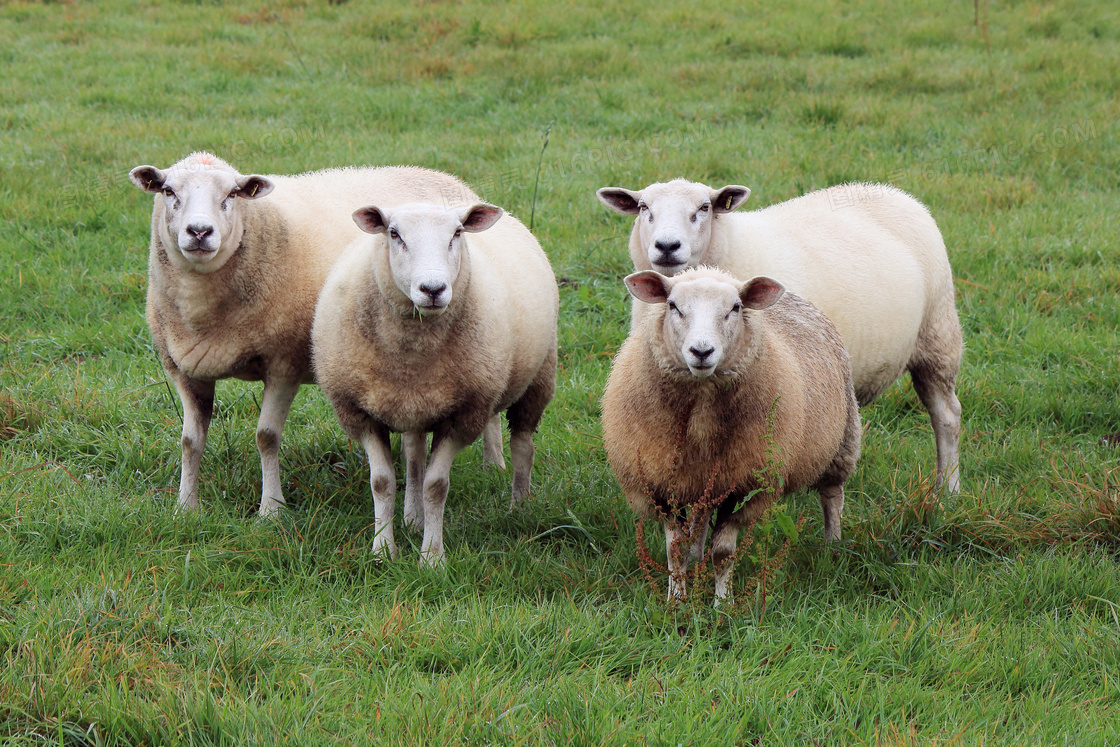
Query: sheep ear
371	220
726	199
479	217
761	292
251	187
648	286
148	178
620	200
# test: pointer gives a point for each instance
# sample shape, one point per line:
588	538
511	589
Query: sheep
434	323
727	388
235	267
868	255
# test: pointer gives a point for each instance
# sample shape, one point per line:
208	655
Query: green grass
989	618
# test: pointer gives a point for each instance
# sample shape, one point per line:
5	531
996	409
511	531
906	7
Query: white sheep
436	322
234	269
869	256
727	388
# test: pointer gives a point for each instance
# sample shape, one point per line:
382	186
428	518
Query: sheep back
254	314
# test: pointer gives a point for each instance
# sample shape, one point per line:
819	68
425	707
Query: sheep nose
701	354
433	291
667	247
200	232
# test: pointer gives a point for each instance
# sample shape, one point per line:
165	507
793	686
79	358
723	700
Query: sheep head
425	247
674	219
201	225
704	327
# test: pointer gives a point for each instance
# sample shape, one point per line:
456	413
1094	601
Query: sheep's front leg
724	541
198	405
383	483
701	525
415	447
492	443
275	405
437	479
676	562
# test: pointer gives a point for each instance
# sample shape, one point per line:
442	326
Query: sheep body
420	354
869	256
782	383
235	267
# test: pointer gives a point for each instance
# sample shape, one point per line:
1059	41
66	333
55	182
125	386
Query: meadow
991	617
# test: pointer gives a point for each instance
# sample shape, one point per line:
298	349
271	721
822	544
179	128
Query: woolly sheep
235	266
868	255
714	375
434	323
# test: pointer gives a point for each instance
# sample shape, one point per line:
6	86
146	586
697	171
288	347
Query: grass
989	618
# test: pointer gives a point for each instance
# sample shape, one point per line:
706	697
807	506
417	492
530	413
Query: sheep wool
869	256
728	386
234	270
434	323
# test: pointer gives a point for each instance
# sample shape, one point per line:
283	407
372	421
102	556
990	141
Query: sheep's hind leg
198	405
275	405
415	447
521	451
524	416
492	443
832	506
936	391
382	482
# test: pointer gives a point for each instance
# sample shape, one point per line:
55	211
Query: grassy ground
990	618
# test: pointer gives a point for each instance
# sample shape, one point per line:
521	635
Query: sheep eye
168	192
673	307
394	235
231	195
737	308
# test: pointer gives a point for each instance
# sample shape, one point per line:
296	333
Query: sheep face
704	326
200	217
674	223
425	247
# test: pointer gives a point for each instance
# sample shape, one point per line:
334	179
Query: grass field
988	618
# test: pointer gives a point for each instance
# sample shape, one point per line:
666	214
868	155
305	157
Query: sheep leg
275	405
832	505
675	561
724	542
936	391
696	553
492	443
198	405
524	416
415	447
382	482
521	452
437	479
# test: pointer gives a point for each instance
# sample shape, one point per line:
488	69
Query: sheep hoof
270	509
384	551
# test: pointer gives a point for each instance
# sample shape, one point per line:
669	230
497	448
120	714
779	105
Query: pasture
991	617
